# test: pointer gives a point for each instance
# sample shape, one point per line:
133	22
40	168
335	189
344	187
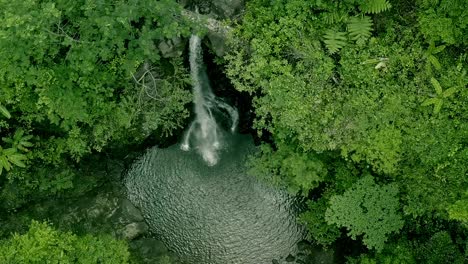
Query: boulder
227	8
134	230
171	48
211	15
150	251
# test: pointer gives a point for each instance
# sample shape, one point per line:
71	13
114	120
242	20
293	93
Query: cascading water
204	130
212	214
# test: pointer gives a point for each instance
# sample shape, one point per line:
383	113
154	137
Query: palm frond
334	40
333	17
374	6
360	28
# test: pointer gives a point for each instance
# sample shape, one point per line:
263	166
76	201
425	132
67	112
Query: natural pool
213	214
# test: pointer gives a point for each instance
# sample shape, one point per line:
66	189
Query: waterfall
204	134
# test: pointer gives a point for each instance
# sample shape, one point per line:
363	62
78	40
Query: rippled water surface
213	214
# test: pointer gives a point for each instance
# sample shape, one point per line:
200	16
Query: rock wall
217	9
212	14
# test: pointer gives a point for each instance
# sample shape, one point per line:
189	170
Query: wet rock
103	205
227	8
305	246
134	230
130	211
316	256
217	42
324	257
171	48
150	251
290	258
213	13
114	169
218	9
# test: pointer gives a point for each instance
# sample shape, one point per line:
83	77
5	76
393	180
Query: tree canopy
350	88
361	105
44	244
79	76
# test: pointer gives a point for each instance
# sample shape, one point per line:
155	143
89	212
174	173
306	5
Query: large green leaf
430	101
438	49
436	85
19	141
438	106
17	159
375	6
4	111
360	28
334	40
9	151
435	62
4	163
449	92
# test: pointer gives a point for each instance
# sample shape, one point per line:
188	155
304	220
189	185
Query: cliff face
217	9
211	14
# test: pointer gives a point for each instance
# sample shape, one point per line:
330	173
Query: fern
360	28
374	6
333	17
334	40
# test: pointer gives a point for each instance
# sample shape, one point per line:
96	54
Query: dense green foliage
43	244
364	104
76	77
349	88
79	79
366	209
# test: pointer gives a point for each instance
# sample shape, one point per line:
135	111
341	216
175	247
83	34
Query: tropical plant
13	156
439	249
362	109
19	141
443	21
459	210
374	6
334	40
44	244
441	95
318	229
431	58
66	75
360	28
4	111
10	157
367	209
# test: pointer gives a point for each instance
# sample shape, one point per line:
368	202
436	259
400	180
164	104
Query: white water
204	134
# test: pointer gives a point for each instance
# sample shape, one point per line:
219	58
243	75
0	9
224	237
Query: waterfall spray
205	133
